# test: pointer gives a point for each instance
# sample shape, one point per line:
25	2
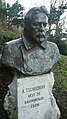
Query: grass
60	71
60	85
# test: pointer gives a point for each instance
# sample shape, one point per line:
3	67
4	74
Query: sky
31	3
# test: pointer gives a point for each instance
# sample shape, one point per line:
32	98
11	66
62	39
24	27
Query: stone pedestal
31	98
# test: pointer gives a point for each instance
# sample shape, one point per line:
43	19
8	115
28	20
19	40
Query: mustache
40	34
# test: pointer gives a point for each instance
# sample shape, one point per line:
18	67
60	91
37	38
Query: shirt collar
28	45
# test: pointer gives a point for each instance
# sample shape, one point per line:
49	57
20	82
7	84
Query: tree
55	30
15	14
0	4
2	13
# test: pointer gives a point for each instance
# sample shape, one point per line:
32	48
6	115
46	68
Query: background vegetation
13	15
57	29
9	16
60	85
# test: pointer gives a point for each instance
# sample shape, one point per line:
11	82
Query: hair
35	10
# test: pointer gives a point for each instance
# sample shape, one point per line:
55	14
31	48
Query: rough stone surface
34	98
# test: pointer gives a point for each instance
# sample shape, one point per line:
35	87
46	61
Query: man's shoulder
12	46
10	51
15	42
52	45
53	50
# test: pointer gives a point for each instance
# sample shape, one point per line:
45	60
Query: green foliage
54	18
60	71
15	14
6	36
11	15
1	4
55	14
2	13
7	68
61	44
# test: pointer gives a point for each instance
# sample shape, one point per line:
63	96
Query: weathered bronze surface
32	54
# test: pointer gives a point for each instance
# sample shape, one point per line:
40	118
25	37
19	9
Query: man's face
38	27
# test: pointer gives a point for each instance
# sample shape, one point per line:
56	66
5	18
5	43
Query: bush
6	36
61	44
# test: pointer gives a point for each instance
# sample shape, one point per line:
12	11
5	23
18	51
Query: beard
35	37
39	38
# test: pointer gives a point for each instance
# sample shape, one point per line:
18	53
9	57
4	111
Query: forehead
40	17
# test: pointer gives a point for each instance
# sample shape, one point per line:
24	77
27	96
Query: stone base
31	98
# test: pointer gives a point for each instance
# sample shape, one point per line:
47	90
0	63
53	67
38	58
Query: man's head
35	23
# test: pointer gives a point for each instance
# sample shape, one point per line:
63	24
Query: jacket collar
28	45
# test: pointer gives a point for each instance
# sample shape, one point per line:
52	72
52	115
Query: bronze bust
32	54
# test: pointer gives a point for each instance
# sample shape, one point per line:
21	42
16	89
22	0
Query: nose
41	27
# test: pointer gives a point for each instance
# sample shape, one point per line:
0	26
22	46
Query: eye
36	24
45	24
